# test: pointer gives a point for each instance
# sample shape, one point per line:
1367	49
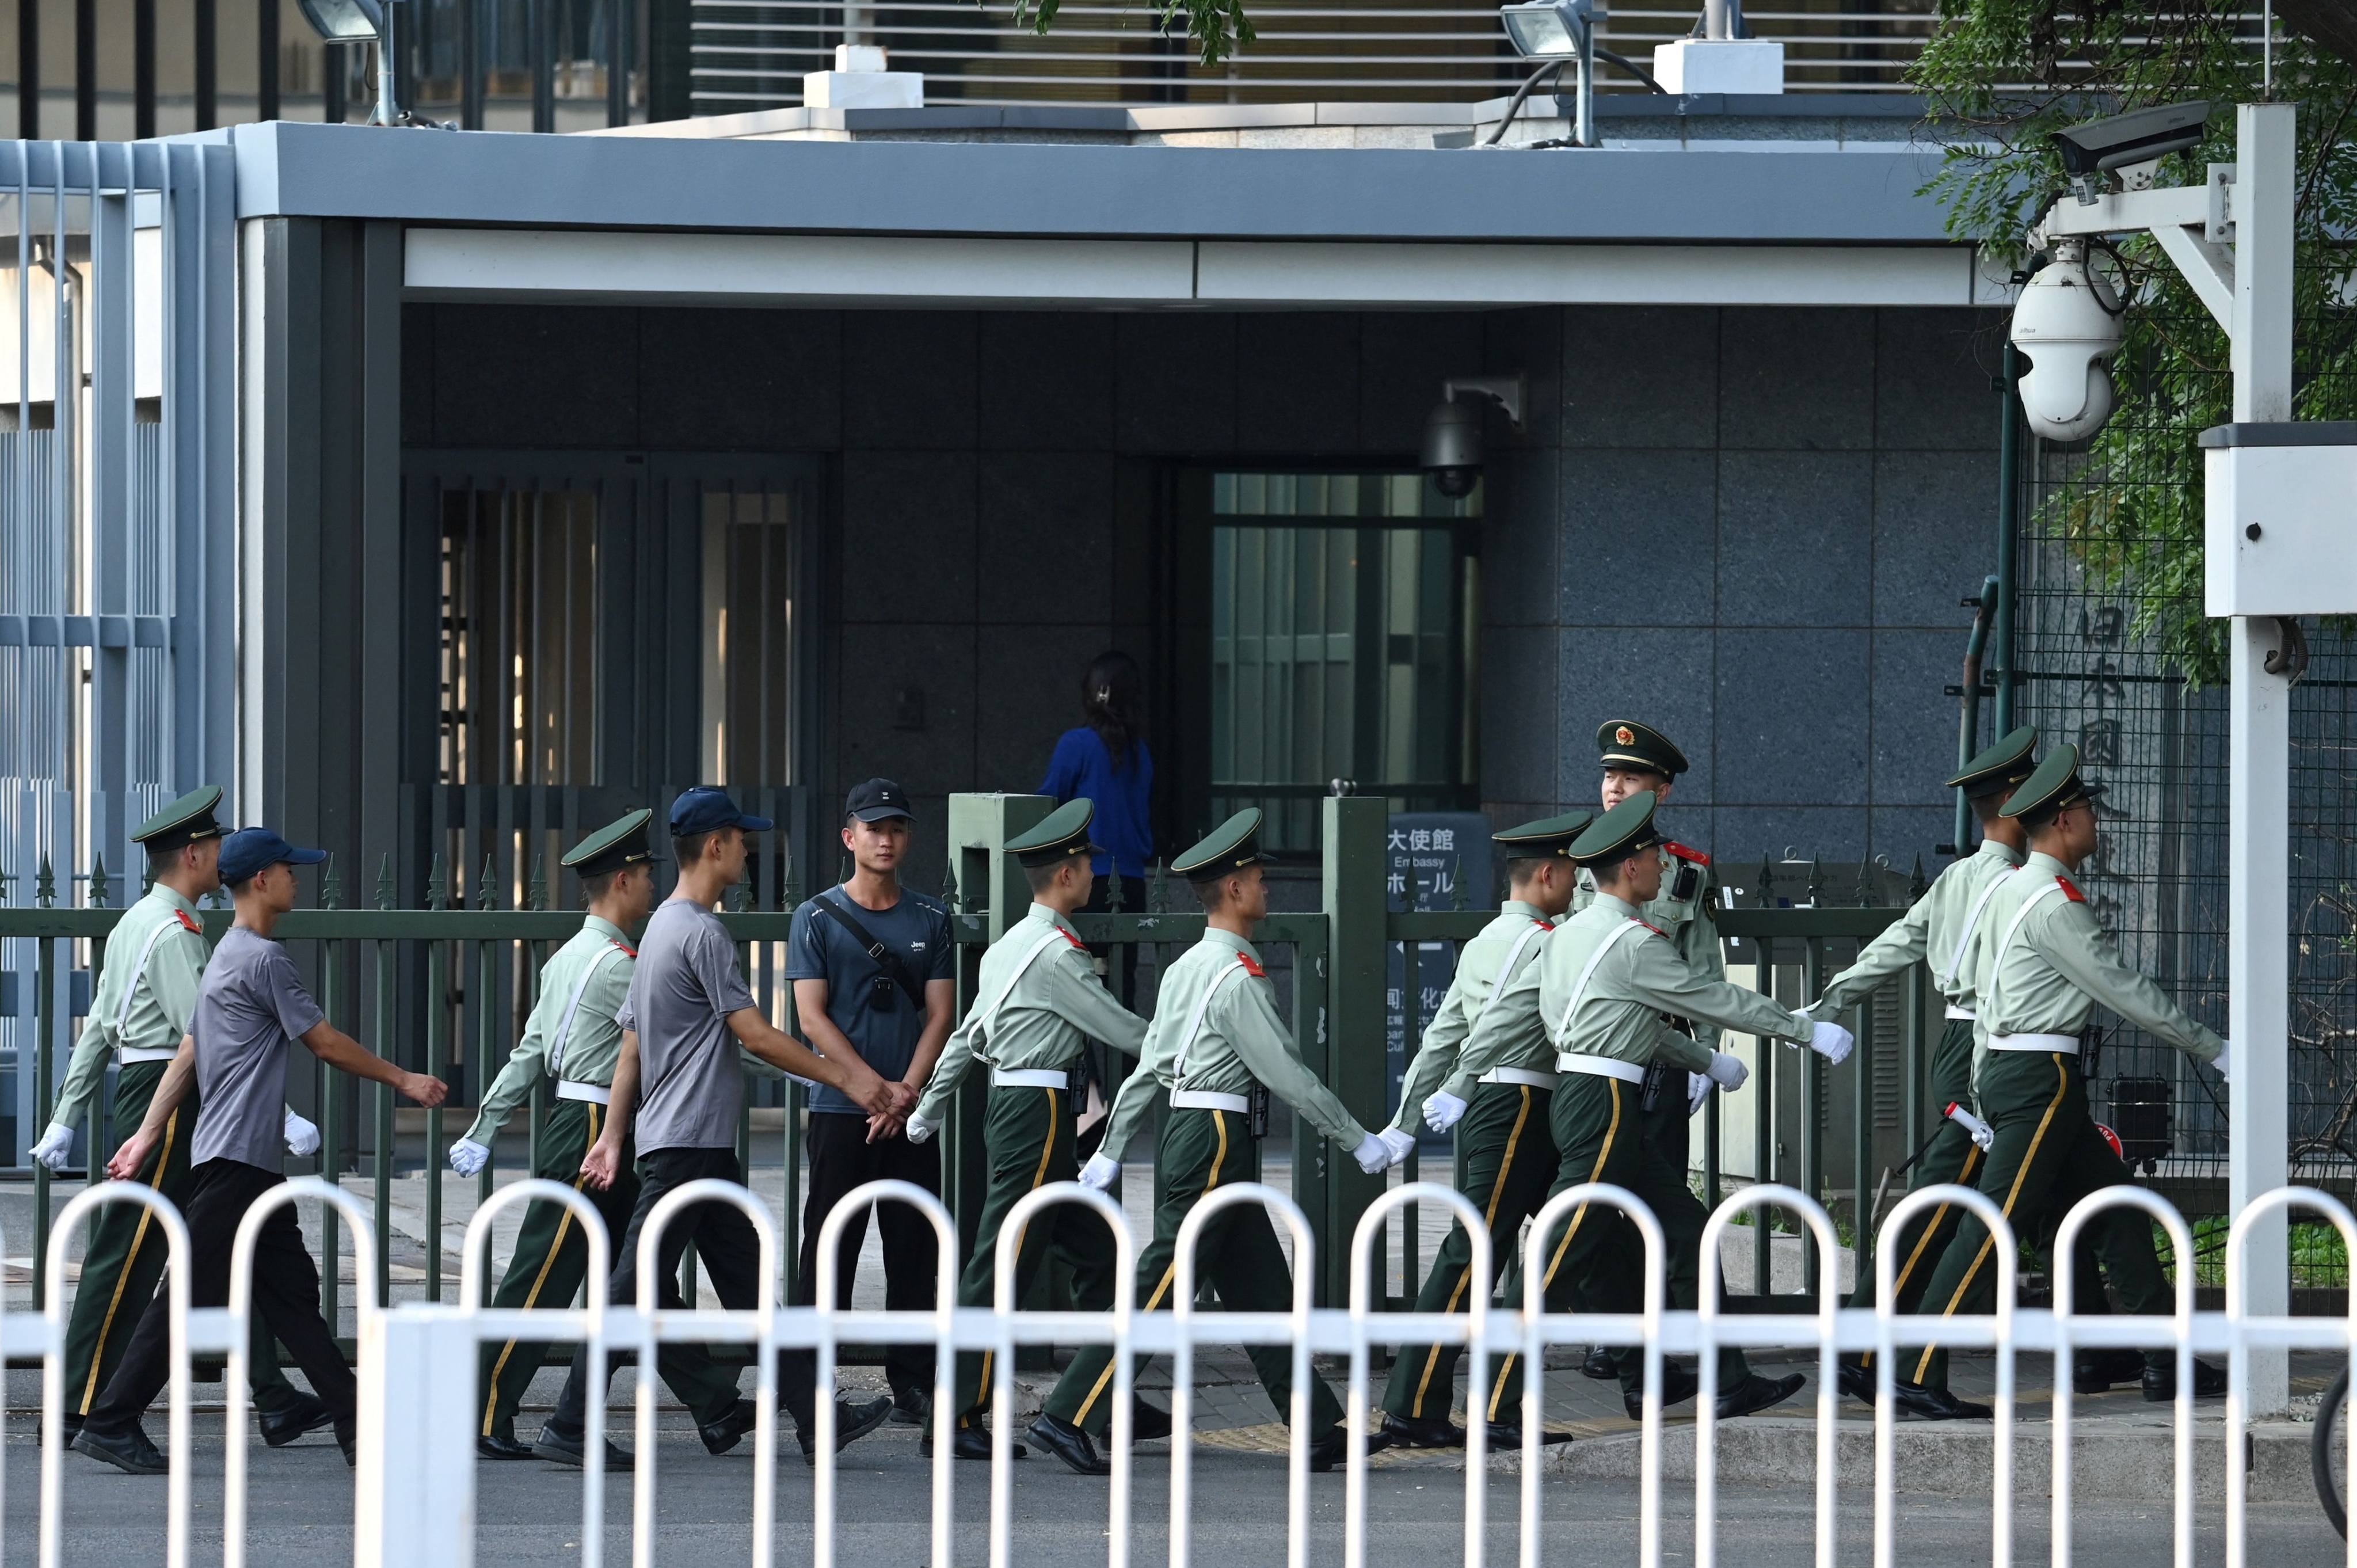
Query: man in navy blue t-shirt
873	969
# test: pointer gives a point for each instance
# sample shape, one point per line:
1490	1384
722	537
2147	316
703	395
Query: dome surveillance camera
1452	448
2067	324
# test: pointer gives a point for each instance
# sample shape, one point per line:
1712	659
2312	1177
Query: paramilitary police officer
2042	963
1606	980
1939	927
1039	1002
573	1038
155	963
1215	1042
1487	1069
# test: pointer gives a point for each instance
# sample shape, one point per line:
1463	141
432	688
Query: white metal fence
419	1403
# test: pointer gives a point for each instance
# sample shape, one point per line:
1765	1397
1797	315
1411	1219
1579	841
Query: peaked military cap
1625	743
1547	836
612	847
1619	833
1226	849
183	822
2054	788
1061	834
2001	768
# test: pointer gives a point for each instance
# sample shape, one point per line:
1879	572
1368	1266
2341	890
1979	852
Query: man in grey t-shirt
251	1011
687	1012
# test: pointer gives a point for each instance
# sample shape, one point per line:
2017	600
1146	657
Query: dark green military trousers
125	1258
1027	1135
1951	1156
1237	1254
2048	1154
552	1259
1597	1256
1505	1161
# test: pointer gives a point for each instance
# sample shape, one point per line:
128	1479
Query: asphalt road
530	1514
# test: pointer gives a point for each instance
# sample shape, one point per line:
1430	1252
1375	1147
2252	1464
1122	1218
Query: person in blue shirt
1105	758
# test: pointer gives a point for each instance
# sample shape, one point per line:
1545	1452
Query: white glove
1098	1174
1398	1145
1441	1109
1832	1042
468	1156
2219	1064
1373	1154
302	1137
1983	1134
1697	1090
919	1130
56	1144
1728	1071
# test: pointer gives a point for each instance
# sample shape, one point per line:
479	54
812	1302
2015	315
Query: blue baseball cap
707	808
250	850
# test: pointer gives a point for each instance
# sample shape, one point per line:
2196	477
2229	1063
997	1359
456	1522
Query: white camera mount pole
2231	238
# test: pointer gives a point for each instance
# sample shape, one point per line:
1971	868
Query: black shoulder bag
891	974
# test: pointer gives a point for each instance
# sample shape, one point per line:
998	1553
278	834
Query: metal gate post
413	1505
1347	1052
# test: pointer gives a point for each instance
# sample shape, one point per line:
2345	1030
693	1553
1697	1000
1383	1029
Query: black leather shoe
1599	1364
1678	1385
1333	1448
66	1430
490	1445
1147	1423
2161	1387
720	1437
1757	1393
968	1443
910	1407
2097	1371
1423	1431
1855	1378
570	1451
1937	1405
127	1450
1507	1435
351	1452
1071	1445
852	1420
306	1414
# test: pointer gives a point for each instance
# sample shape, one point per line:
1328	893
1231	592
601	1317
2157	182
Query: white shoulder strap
1972	924
985	1019
139	973
573	1006
1202	1010
2051	889
1579	989
1506	970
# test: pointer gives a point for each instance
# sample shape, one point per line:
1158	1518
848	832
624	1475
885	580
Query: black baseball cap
707	809
876	799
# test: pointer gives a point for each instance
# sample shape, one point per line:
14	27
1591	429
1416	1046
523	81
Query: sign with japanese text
1438	860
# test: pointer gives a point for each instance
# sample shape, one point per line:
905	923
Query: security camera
2133	144
1452	431
2067	324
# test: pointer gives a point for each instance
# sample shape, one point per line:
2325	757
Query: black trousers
285	1293
731	1254
841	1158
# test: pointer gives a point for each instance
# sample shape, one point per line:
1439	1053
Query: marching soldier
573	1038
2042	963
1606	980
154	961
1216	1041
1039	1002
1939	927
1487	1069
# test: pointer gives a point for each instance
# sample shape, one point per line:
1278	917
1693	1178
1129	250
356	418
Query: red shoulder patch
1683	852
2071	890
1546	924
625	947
188	921
1073	940
1652	927
1252	966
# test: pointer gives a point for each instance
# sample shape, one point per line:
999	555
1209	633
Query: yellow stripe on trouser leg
123	1272
532	1298
1596	1174
1046	1152
1432	1356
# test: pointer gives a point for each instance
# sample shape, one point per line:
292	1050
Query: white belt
1028	1077
1533	1078
2067	1044
596	1094
1601	1066
1959	1014
148	1054
1204	1099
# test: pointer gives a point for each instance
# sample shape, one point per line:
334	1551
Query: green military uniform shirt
1684	919
1939	925
155	964
1044	1001
571	1033
1483	1022
1241	1041
1642	977
2042	961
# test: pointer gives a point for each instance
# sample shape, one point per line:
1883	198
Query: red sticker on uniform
2112	1139
188	920
2070	891
1252	966
1683	852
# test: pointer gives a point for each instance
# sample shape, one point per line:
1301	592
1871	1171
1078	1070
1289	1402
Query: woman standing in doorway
1105	758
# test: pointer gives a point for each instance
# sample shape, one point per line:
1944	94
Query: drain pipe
2008	532
1968	709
